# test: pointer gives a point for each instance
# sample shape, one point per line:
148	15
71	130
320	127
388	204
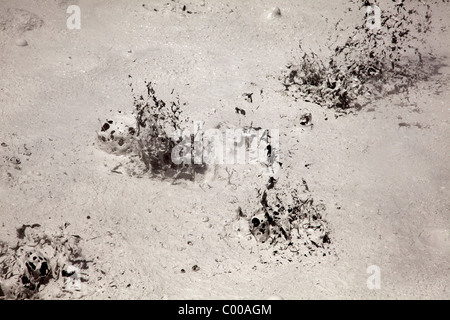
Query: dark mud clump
41	265
368	62
288	225
149	138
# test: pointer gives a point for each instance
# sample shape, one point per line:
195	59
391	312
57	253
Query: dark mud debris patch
42	265
21	231
150	136
288	225
367	63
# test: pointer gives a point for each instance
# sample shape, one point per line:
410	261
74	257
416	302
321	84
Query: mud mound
371	62
286	224
148	138
41	265
116	136
436	237
19	20
12	161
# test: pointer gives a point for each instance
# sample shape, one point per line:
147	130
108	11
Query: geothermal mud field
200	149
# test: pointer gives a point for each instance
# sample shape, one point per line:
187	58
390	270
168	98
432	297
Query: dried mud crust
41	265
19	21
